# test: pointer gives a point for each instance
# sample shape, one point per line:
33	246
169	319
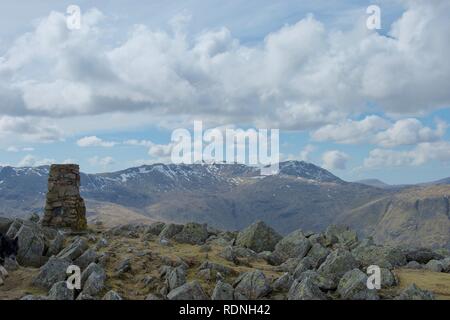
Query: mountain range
232	196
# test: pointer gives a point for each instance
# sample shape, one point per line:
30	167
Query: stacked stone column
64	206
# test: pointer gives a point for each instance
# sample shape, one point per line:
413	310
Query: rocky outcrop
64	206
251	285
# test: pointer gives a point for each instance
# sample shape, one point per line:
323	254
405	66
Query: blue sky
362	103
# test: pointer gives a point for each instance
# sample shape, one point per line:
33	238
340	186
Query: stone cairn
64	206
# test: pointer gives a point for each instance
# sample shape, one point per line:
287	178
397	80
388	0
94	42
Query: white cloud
32	161
379	131
17	149
28	129
335	159
101	161
410	132
93	141
306	152
419	155
301	76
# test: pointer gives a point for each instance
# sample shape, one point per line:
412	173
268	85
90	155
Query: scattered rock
74	249
258	237
322	281
52	272
59	291
94	284
413	265
353	286
338	263
188	291
193	233
31	247
176	278
251	285
422	255
223	291
155	228
93	267
170	230
11	264
283	283
382	256
152	296
31	297
123	267
318	254
86	259
434	265
305	264
305	290
341	234
413	292
388	279
294	245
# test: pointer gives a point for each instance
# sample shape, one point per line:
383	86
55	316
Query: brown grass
437	282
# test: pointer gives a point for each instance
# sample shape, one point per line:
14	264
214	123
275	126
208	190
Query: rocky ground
192	261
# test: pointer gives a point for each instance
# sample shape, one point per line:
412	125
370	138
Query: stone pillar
64	206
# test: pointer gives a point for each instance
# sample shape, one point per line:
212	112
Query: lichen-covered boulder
251	285
341	234
353	286
258	237
189	291
413	292
31	247
422	255
59	291
223	291
338	263
193	233
52	272
382	256
294	245
434	265
305	290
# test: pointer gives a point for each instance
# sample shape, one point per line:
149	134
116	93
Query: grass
437	282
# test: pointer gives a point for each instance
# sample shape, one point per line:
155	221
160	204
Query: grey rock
216	267
11	264
294	245
52	272
83	296
338	263
74	249
446	265
258	237
56	244
324	282
193	233
305	264
388	279
353	286
251	285
31	297
152	296
289	265
112	295
176	278
283	283
59	291
434	265
422	255
189	291
155	228
382	256
413	292
305	290
223	291
341	234
93	267
318	254
86	258
123	266
94	284
31	247
170	230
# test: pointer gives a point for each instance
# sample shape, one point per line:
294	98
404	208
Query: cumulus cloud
379	131
335	159
94	141
101	161
28	129
420	154
32	161
299	77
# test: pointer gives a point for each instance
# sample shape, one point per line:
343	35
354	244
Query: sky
362	103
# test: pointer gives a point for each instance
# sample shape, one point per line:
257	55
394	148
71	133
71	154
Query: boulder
74	249
283	283
258	237
31	297
305	290
123	266
216	267
413	292
189	291
434	265
193	233
422	255
112	295
251	285
93	267
388	279
170	230
305	264
155	228
413	265
289	265
176	278
223	291
59	291
31	247
353	286
52	272
324	282
382	256
338	263
318	254
86	259
341	234
55	245
294	245
5	223
94	284
10	264
446	265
